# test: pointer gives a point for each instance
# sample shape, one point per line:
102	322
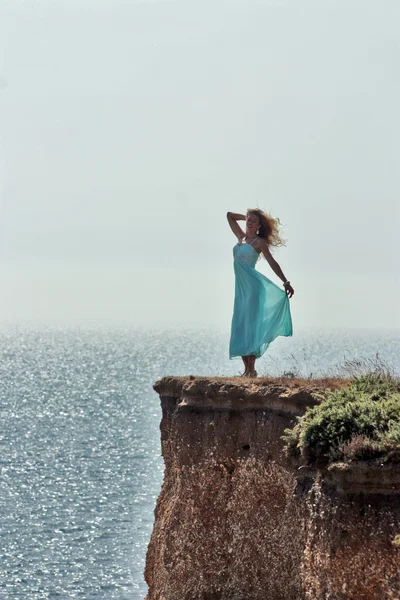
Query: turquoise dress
261	309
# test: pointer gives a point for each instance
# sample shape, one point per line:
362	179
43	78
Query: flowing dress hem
261	349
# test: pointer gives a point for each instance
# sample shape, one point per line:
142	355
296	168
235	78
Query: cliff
236	519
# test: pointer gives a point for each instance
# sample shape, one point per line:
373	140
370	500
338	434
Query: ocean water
80	445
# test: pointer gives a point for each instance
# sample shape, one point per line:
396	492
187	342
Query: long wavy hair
269	228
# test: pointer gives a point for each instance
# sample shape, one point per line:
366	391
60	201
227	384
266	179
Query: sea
80	455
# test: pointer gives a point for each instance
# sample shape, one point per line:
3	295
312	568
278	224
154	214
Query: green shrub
392	434
354	423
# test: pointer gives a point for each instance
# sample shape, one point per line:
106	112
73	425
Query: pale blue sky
128	130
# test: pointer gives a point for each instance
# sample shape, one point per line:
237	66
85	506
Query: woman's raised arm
233	219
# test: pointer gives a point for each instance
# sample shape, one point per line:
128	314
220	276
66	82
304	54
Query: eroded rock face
349	552
225	530
234	521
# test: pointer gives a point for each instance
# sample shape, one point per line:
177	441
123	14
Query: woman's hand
289	290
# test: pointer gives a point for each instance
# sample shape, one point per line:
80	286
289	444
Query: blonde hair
269	228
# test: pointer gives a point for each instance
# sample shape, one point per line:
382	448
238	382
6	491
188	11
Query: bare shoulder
261	245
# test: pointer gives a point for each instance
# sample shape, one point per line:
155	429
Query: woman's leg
246	364
252	365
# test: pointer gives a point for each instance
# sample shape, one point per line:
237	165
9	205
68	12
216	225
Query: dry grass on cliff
300	375
303	367
333	383
323	383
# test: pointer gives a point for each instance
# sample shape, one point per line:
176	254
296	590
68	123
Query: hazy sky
129	129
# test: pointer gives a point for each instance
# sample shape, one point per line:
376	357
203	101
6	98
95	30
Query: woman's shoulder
261	242
261	246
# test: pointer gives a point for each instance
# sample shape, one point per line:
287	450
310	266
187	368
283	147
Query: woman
261	308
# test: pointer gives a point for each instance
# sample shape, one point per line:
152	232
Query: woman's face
252	223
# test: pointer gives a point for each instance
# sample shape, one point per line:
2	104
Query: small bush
358	422
290	374
360	448
291	439
396	540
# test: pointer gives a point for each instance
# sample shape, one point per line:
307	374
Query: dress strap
251	243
